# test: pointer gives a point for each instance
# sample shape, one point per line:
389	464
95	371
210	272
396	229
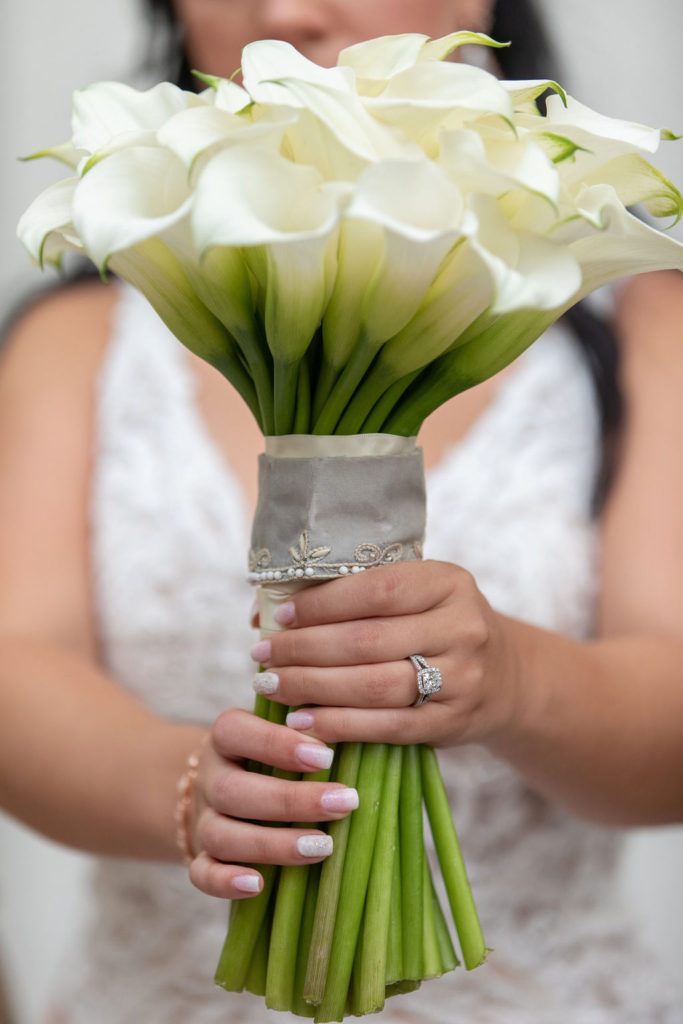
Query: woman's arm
597	726
81	760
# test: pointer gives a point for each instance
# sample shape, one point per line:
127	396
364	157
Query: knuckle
224	727
380	686
395	729
220	792
366	639
387	585
289	799
218	880
477	630
208	831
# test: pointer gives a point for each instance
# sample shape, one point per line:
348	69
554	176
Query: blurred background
620	56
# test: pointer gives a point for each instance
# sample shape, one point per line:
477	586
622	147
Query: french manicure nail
300	720
284	615
314	755
340	799
266	682
315	846
247	883
260	652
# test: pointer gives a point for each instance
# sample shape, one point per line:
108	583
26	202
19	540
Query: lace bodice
169	540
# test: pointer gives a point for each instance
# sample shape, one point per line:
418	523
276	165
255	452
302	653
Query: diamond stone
429	680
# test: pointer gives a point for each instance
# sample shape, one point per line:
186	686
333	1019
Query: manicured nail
340	799
284	615
314	755
300	720
260	652
266	682
247	883
315	846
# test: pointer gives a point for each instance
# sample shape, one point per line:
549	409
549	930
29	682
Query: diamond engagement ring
429	679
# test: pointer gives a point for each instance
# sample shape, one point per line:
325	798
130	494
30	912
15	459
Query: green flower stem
238	948
395	939
286	377
432	955
374	937
452	865
302	416
399	988
286	924
353	373
330	882
412	854
256	975
374	423
449	960
327	378
299	1005
357	865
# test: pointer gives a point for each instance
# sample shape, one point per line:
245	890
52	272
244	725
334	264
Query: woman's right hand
228	801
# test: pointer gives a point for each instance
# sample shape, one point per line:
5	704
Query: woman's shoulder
61	335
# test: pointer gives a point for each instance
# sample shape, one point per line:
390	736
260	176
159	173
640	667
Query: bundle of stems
338	938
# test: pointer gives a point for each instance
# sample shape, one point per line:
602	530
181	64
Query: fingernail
315	846
247	883
284	615
314	755
266	682
260	652
300	720
340	799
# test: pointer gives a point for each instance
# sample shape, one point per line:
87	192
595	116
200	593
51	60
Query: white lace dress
169	539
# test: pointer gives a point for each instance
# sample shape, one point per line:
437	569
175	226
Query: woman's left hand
346	649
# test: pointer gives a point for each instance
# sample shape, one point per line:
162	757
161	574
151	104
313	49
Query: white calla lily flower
131	196
106	110
267	62
45	229
200	131
355	244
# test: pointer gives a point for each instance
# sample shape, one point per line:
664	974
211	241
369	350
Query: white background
624	59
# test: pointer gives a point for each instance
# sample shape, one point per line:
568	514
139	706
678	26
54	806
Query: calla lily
104	111
377	60
203	131
266	63
381	282
131	196
286	217
45	228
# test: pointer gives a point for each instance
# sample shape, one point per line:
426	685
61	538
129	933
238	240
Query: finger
359	642
386	685
400	589
230	839
239	735
425	724
227	881
239	794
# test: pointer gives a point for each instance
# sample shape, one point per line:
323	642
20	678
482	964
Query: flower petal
49	214
132	195
107	109
528	271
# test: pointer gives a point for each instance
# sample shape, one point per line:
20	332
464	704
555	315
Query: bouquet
351	247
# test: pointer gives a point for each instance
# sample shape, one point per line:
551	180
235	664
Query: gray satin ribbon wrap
324	517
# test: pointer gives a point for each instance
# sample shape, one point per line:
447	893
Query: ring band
429	679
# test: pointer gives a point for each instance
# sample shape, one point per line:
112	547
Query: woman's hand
347	645
228	801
